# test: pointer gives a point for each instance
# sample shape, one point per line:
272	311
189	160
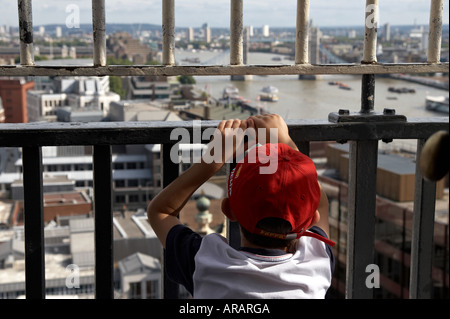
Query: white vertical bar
26	32
99	29
168	29
370	36
302	38
236	32
435	36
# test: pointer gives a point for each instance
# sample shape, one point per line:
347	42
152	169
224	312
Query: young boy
283	216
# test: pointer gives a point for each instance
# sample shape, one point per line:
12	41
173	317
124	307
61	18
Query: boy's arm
323	211
163	210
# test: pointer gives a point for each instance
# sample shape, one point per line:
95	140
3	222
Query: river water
306	99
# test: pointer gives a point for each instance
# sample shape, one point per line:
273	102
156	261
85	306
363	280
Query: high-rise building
58	32
207	33
14	99
387	32
266	30
190	34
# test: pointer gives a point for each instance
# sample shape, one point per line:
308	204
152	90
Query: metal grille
363	129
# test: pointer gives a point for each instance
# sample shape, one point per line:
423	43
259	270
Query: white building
140	276
265	30
78	92
190	34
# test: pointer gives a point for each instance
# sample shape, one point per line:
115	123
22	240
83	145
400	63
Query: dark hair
273	225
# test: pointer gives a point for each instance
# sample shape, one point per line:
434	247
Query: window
134	198
120	199
135	291
133	183
131	165
152	289
118	166
120	183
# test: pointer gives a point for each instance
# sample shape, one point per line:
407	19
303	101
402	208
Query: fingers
267	120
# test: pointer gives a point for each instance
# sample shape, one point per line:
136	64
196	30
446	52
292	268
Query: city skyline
194	13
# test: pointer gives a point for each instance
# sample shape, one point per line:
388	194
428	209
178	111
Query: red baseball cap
273	180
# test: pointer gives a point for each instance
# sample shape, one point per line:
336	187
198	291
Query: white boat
269	93
230	91
437	104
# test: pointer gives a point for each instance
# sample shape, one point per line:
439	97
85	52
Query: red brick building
14	99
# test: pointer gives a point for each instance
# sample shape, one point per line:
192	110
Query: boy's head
279	205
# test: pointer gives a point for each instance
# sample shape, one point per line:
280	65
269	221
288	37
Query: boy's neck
246	244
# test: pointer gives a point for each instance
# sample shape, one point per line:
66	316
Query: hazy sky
216	12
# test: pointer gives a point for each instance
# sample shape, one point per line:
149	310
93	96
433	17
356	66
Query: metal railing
363	129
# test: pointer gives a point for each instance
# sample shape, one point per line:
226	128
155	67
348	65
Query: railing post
34	223
26	32
370	33
302	35
361	216
168	30
421	285
236	33
435	35
104	273
370	56
99	31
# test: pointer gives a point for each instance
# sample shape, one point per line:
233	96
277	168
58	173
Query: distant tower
314	44
266	30
387	32
41	31
58	32
207	33
190	34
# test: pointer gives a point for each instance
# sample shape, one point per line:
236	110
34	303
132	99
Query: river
306	99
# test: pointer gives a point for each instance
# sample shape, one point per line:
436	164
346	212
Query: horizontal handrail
214	70
156	132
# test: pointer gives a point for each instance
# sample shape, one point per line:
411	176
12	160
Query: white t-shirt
210	269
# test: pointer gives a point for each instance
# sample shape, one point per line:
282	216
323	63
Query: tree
186	79
115	85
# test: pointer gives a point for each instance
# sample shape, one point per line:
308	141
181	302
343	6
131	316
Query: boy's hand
272	121
228	141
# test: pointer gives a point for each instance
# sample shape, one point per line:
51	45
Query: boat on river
230	92
437	104
269	94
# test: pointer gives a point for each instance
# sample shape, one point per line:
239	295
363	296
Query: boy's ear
226	209
315	219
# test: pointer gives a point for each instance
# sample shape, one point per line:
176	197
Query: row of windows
88	167
55	103
120	183
132	198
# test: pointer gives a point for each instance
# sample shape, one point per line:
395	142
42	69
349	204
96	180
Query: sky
193	13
